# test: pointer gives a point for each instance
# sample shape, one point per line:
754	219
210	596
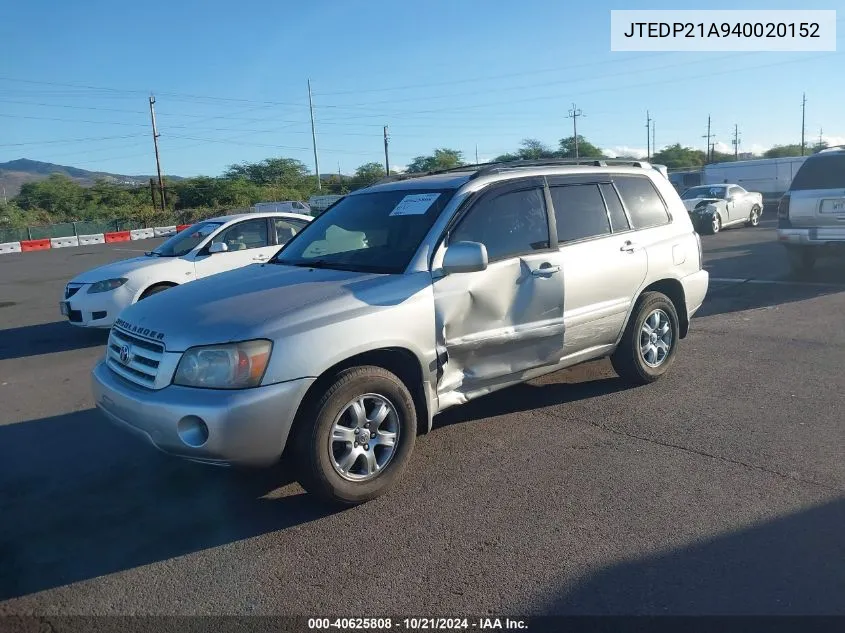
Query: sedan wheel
754	218
716	223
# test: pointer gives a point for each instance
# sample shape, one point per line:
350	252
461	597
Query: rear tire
331	462
801	260
754	217
633	359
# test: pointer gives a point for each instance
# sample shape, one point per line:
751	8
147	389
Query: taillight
783	212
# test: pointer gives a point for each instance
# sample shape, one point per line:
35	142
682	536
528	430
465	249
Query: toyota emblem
125	354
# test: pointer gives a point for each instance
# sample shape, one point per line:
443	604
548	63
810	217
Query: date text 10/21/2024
416	624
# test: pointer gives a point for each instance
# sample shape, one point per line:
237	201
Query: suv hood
118	269
693	202
261	301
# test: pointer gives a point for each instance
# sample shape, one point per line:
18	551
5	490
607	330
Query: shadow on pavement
81	499
789	566
47	338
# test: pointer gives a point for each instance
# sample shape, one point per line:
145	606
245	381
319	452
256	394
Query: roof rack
482	169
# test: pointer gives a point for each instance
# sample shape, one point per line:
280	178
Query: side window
286	229
508	224
734	191
642	201
579	212
618	221
244	235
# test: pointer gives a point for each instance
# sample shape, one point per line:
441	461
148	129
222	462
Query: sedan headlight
229	366
106	285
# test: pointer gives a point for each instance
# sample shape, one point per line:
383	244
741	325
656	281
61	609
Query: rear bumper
695	289
246	427
819	237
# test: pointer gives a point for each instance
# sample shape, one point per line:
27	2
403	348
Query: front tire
714	225
647	349
353	444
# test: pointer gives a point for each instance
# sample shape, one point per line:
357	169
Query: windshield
821	172
184	242
704	192
369	232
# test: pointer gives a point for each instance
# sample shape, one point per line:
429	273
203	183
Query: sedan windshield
185	241
704	192
368	232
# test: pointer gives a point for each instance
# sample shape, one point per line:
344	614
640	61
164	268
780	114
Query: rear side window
618	221
579	212
644	204
821	172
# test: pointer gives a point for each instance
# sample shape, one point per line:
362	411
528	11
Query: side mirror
465	257
218	247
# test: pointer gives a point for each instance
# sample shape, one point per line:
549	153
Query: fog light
192	431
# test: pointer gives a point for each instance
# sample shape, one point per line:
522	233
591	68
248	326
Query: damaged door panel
496	323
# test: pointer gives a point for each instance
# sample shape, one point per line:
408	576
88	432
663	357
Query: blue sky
230	82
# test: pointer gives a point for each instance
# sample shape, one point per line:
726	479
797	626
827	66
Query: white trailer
769	176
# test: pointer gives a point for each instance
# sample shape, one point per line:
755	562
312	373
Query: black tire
312	453
754	217
712	225
801	260
628	359
153	290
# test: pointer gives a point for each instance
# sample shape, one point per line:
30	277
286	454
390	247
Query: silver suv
811	215
404	299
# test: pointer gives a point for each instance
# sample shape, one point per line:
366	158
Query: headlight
230	366
106	285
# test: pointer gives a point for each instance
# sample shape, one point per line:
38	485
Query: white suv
811	215
401	300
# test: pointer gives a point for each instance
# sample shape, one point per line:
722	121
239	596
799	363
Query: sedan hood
260	301
693	202
118	269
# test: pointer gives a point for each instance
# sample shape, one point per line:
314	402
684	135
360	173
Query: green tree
288	172
532	149
58	195
366	175
782	151
720	157
676	156
585	148
443	158
819	146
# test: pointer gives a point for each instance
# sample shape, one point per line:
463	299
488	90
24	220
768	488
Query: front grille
143	363
71	290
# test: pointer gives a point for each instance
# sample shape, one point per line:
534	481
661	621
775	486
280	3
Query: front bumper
246	427
97	310
821	237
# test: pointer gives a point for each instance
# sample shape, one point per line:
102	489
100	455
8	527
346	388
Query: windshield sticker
415	204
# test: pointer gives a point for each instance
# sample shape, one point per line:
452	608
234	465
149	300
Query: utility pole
821	140
153	193
4	186
155	144
708	136
386	157
647	135
314	137
476	154
653	144
736	142
574	113
803	110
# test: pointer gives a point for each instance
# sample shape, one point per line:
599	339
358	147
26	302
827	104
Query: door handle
629	247
545	269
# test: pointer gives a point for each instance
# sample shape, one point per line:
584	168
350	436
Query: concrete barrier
97	238
141	234
117	236
164	231
35	245
10	247
64	242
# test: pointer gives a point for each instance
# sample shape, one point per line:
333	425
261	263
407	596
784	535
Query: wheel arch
149	286
674	290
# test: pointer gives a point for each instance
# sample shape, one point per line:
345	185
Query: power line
73	140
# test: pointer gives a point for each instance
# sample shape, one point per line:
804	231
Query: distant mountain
16	173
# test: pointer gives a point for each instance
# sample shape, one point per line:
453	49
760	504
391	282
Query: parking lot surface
719	489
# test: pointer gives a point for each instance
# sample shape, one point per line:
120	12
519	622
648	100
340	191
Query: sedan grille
134	358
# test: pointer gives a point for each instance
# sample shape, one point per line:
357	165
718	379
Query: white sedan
95	298
714	207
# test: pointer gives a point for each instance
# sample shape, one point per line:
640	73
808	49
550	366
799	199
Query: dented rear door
495	324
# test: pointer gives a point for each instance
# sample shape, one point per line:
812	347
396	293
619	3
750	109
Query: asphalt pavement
717	490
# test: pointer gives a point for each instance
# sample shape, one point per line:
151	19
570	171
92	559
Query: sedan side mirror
465	257
218	247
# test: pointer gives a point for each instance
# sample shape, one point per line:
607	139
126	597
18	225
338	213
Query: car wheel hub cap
656	338
364	437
